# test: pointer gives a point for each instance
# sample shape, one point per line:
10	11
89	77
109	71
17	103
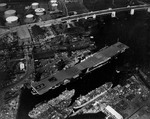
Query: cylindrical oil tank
29	18
3	6
9	13
35	5
39	11
12	21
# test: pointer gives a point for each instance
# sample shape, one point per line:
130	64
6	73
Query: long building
97	60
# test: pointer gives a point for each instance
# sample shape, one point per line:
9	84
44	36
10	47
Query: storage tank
39	11
12	21
3	6
35	5
29	18
9	13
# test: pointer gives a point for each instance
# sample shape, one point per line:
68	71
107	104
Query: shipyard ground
130	30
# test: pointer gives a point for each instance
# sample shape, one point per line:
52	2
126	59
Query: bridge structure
91	14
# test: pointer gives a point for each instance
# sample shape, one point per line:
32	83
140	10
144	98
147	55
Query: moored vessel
94	94
63	100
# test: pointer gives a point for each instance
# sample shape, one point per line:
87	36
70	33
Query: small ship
58	103
91	96
119	102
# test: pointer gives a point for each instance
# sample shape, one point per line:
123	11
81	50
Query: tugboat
91	96
58	103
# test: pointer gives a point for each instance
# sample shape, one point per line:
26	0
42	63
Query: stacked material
54	4
53	1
